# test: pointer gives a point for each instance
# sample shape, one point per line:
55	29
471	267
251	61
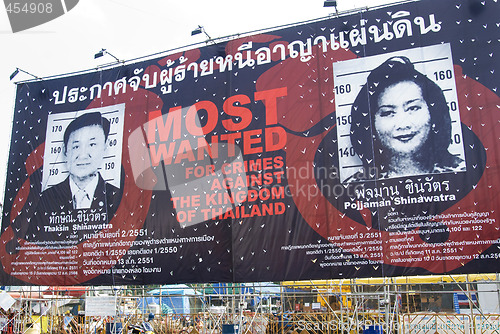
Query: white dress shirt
82	198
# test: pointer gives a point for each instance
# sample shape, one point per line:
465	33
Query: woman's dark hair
364	138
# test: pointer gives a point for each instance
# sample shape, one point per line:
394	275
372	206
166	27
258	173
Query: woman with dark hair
401	124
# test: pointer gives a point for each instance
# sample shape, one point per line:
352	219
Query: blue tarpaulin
176	297
146	304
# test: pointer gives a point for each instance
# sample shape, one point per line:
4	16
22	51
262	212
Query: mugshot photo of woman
401	124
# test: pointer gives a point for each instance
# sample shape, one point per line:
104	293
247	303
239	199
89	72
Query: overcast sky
130	29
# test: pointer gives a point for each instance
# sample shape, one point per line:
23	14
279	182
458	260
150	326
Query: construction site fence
468	304
255	323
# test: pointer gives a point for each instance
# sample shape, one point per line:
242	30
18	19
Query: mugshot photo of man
85	141
85	144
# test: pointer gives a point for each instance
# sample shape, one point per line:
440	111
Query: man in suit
85	141
84	190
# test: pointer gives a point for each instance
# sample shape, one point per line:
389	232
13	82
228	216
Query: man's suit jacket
57	201
58	198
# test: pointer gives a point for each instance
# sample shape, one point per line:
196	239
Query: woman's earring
433	127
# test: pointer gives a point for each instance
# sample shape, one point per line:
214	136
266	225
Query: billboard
353	146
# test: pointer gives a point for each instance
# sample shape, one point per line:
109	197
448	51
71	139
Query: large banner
354	146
